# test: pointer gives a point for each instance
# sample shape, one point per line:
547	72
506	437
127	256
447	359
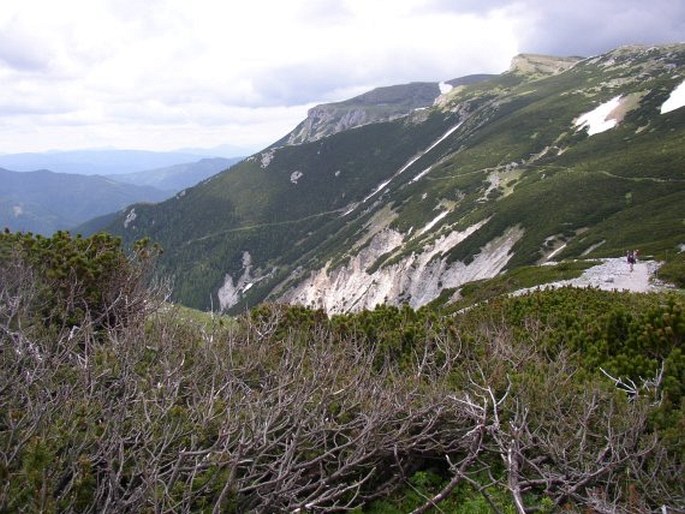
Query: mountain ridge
44	201
178	176
95	162
495	175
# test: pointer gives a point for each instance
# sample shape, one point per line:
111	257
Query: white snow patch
445	87
411	161
433	222
676	100
130	217
599	119
592	248
440	140
555	252
352	208
420	175
377	190
295	176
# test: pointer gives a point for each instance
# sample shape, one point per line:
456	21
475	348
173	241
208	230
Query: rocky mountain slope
378	105
555	158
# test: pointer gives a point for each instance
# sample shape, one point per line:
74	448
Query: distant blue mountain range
98	162
44	201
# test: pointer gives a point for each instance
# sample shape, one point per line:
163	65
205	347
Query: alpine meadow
418	300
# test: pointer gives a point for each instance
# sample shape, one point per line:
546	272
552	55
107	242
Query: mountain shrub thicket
64	281
567	399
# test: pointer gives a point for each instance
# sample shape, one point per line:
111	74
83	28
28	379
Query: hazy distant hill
379	200
96	162
179	176
43	202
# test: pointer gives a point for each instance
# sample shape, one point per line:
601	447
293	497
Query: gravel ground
614	274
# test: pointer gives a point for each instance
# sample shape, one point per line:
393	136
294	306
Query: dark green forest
112	399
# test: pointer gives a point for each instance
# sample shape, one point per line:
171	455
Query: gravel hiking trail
614	274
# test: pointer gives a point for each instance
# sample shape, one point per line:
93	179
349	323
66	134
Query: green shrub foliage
63	281
567	399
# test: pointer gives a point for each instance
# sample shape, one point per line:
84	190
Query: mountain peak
378	105
541	65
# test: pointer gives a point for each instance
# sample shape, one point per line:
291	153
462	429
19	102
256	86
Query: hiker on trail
631	256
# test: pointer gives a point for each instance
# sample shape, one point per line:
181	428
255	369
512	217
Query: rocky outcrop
541	65
416	279
378	105
325	120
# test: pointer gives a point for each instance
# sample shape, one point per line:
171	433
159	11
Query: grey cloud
582	27
318	81
21	53
299	85
20	108
588	27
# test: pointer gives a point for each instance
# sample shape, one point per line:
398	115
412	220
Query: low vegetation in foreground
113	401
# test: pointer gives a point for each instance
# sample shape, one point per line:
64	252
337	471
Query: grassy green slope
260	210
621	186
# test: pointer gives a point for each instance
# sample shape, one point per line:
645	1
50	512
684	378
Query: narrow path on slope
641	179
262	225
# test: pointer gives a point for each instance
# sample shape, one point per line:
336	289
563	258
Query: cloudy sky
168	74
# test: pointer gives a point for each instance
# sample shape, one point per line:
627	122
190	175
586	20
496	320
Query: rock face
230	292
381	104
325	120
542	65
416	279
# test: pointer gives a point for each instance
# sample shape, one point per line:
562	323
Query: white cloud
87	73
